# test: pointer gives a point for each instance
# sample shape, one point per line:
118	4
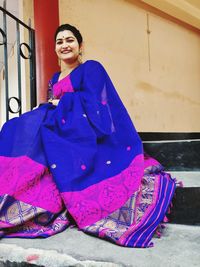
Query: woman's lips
66	51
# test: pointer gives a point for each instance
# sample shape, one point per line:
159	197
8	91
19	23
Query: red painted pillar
46	20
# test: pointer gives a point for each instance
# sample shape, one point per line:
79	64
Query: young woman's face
67	47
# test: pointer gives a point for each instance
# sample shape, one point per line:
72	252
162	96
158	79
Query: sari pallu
82	159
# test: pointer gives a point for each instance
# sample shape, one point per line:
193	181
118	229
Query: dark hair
71	28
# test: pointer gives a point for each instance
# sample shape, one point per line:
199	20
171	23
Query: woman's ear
81	48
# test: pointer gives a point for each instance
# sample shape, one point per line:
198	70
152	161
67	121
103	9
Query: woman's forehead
64	34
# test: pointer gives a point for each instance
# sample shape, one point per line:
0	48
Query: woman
82	162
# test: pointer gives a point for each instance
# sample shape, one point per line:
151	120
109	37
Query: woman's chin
68	60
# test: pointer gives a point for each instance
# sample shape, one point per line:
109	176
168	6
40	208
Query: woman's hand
54	101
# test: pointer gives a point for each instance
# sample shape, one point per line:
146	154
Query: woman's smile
66	51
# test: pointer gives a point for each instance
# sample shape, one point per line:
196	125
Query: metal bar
33	96
6	64
15	18
19	65
33	93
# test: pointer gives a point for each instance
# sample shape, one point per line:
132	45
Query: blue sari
80	163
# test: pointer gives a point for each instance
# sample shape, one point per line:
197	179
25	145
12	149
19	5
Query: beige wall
160	83
28	12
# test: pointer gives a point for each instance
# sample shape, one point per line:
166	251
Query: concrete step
189	178
175	155
186	202
180	157
186	206
179	247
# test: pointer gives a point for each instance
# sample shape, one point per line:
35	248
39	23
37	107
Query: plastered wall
157	74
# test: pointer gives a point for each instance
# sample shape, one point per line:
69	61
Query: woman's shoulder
92	63
94	67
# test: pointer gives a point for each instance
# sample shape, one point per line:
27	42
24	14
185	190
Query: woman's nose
65	44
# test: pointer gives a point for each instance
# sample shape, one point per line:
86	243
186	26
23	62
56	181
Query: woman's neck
68	67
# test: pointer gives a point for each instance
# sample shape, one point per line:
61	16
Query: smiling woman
82	159
68	47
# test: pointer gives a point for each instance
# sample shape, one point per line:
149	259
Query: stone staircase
181	158
179	246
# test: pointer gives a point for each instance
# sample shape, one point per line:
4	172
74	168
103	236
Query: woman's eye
59	43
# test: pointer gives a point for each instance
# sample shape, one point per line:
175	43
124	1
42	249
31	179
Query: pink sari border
153	221
149	162
143	221
5	224
30	182
158	215
98	201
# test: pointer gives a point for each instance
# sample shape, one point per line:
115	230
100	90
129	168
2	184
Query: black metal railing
21	46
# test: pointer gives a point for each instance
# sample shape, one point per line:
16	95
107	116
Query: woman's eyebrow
60	39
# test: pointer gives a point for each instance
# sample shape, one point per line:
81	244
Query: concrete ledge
15	256
179	247
17	264
175	155
189	179
186	206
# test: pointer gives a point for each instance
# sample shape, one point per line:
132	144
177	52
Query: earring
59	62
80	56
